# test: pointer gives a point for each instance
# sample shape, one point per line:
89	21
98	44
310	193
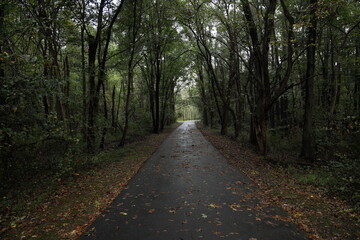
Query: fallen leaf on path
213	205
123	213
234	207
217	233
280	218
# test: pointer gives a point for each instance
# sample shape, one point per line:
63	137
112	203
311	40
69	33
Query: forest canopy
75	76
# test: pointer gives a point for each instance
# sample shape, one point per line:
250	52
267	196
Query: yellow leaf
213	205
13	225
235	207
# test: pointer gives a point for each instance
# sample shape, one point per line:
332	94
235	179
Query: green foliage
340	177
44	103
284	140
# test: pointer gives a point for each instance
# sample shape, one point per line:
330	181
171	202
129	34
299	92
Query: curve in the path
187	190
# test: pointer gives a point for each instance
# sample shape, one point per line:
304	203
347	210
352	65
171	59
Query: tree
133	42
265	97
95	52
308	140
160	70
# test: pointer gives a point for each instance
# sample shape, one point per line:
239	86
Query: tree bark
308	139
357	80
83	72
204	99
113	95
260	51
265	98
92	91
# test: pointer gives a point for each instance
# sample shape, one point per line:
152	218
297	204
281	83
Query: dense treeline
76	75
284	75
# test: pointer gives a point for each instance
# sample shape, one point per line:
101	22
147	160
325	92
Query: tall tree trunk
67	88
113	95
334	85
127	102
234	78
106	117
308	139
92	91
239	108
357	80
224	120
157	90
83	75
260	51
204	99
2	70
284	105
67	76
130	72
122	89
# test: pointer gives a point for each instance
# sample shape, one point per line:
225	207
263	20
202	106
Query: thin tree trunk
224	122
113	95
308	139
357	80
92	91
106	117
83	80
204	99
2	70
157	91
127	103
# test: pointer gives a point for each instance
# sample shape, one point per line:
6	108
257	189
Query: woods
282	75
79	76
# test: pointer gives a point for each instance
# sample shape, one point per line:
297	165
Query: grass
63	207
316	177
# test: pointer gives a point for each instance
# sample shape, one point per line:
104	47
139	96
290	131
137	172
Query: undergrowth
61	205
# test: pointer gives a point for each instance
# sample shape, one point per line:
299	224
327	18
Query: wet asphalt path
187	190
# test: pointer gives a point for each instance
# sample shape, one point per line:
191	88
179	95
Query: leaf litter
320	216
78	201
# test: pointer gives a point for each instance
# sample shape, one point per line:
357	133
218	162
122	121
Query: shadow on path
187	190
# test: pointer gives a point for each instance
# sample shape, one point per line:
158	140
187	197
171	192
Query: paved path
187	190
